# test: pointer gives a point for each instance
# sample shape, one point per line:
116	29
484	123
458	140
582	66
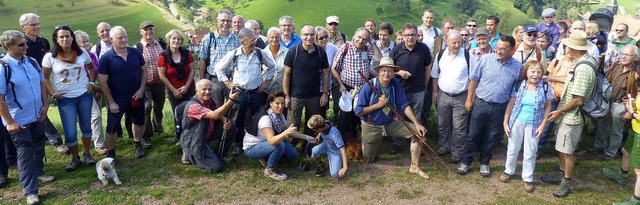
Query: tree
2	4
468	7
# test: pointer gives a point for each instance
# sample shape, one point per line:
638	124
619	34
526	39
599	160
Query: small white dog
106	169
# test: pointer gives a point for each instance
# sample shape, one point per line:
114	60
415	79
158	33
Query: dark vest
193	136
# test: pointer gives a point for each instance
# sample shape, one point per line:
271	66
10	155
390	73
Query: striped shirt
352	62
150	52
219	47
495	79
578	83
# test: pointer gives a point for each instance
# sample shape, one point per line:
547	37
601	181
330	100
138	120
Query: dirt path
171	18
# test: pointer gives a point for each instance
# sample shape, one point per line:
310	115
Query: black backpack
178	117
7	75
212	37
466	57
139	46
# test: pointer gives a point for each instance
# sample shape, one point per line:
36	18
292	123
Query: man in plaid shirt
353	56
154	91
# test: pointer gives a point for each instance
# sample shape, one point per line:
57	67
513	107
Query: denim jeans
273	154
251	101
335	159
547	129
75	111
485	127
4	139
29	143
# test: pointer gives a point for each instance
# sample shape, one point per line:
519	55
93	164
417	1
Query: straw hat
387	62
577	40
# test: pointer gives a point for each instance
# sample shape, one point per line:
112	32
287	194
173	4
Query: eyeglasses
626	54
409	35
323	38
286	25
309	34
333	24
619	30
469	25
502	49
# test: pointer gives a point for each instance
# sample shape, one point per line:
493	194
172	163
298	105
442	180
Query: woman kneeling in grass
332	146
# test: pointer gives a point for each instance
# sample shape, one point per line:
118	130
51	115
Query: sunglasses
323	38
58	27
464	35
469	25
333	24
22	44
532	34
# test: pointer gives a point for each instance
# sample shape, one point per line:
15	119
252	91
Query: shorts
114	119
567	137
632	147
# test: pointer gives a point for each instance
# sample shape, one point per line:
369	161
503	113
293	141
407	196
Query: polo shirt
452	72
26	81
38	48
295	40
578	83
124	76
305	71
399	101
415	62
495	79
247	71
621	44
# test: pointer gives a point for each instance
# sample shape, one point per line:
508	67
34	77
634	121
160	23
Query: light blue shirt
527	107
493	42
248	71
26	80
217	49
495	79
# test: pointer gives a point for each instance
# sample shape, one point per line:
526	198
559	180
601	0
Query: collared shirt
541	97
387	51
37	49
124	76
248	71
276	82
366	97
306	70
593	51
578	83
619	80
104	48
493	42
621	44
429	36
295	40
337	39
197	111
495	79
150	52
414	61
452	72
477	53
523	56
218	48
26	80
353	61
551	29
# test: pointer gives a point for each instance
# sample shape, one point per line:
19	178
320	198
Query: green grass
85	15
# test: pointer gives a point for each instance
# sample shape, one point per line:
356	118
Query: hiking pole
224	135
413	133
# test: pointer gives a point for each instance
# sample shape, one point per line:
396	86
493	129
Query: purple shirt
551	29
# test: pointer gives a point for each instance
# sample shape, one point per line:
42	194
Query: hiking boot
630	201
553	178
146	143
395	150
594	150
33	199
100	150
73	165
263	162
271	173
236	151
3	181
504	178
485	171
88	160
616	174
111	153
563	189
608	158
61	149
46	178
528	187
319	170
455	160
463	169
442	151
137	150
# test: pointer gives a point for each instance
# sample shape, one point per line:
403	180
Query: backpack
7	76
161	41
466	57
295	52
234	61
538	52
212	37
179	117
598	105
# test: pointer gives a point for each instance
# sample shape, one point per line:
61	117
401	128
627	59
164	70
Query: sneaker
563	189
616	174
146	143
137	150
184	160
88	160
3	181
46	178
553	178
73	165
236	151
455	160
463	169
61	148
319	170
274	175
528	187
33	199
630	201
485	171
263	162
100	150
594	150
504	178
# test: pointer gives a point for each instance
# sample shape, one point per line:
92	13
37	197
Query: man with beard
527	50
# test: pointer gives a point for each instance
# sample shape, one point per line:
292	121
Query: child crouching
332	145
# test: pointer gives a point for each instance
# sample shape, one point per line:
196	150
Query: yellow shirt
635	124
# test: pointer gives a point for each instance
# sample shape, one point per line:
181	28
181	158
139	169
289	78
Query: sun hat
577	40
387	62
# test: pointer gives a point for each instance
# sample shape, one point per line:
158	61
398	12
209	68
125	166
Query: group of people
252	91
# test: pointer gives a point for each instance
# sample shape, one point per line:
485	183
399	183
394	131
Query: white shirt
522	55
249	140
429	37
67	77
248	71
454	77
593	51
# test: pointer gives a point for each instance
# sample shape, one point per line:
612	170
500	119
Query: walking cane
413	133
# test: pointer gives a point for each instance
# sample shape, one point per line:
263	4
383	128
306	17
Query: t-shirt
67	77
250	140
124	76
527	107
635	124
306	72
38	48
415	62
172	73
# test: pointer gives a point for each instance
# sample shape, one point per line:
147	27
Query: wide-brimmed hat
387	62
577	40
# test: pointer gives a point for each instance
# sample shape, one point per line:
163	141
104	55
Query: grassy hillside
85	15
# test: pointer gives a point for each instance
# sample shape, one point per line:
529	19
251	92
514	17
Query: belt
490	103
250	91
454	95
